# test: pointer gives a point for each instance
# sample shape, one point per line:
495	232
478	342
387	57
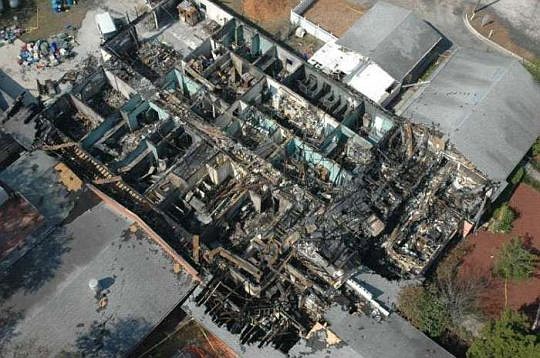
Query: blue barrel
56	5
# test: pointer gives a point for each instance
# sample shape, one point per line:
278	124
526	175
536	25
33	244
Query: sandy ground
87	43
501	33
522	295
335	16
504	30
272	15
523	15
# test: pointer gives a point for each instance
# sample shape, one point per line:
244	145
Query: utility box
189	13
106	26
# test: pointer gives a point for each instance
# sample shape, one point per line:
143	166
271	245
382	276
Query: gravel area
335	16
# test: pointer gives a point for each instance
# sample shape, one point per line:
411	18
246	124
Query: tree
434	314
514	261
459	296
408	303
507	337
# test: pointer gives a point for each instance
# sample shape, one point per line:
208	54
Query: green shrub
536	147
423	307
534	68
518	175
502	219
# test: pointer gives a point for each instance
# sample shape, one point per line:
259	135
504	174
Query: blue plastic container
56	5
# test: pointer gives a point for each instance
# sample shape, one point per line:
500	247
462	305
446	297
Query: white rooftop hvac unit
94	285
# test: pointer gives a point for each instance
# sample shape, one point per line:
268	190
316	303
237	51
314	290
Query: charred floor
276	181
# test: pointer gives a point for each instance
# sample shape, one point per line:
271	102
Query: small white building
385	49
105	25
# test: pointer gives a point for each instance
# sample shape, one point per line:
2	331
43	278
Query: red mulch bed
522	295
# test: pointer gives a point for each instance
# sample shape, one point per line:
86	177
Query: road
447	17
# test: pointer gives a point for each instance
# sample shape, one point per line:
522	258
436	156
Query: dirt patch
500	33
306	46
522	295
335	16
272	15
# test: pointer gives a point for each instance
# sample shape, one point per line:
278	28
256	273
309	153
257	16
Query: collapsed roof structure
275	181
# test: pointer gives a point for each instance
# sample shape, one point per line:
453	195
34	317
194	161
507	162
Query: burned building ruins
277	182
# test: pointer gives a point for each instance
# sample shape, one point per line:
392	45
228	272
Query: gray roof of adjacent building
46	300
392	337
10	90
34	176
487	105
391	36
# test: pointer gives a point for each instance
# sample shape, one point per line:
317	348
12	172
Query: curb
489	42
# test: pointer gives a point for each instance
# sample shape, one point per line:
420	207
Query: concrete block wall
214	12
302	6
115	82
86	111
313	29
